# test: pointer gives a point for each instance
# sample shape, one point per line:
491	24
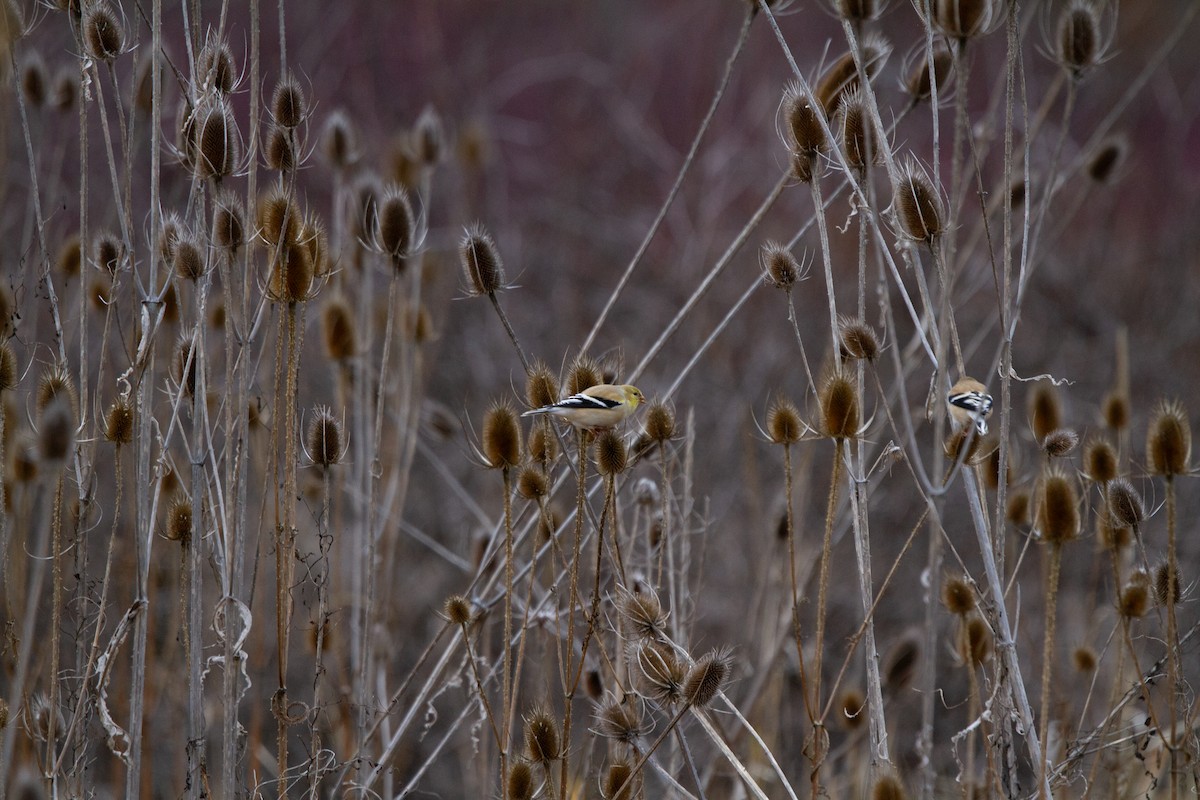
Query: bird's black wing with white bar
586	401
975	402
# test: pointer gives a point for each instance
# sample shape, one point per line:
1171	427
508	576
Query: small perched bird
596	408
969	403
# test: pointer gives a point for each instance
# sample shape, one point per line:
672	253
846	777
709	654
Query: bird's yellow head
633	396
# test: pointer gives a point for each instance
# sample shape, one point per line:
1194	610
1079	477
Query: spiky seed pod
611	455
661	674
991	464
292	274
918	83
1134	601
1016	194
541	737
918	205
457	610
644	613
1166	586
963	19
34	81
1140	577
856	10
541	387
958	596
339	331
501	436
56	383
660	422
781	269
315	240
584	374
851	705
957	440
429	140
888	787
1058	508
1060	442
1099	460
216	67
842	75
616	784
279	217
169	231
325	445
281	150
1084	658
839	409
184	360
288	106
1169	440
396	231
620	720
43	720
520	781
543	447
8	367
857	135
108	251
857	340
337	140
229	223
707	677
1045	410
216	140
118	422
64	90
70	258
976	646
1107	159
1125	509
1079	37
179	521
98	293
533	483
1115	410
188	261
900	664
783	422
804	132
103	32
56	431
593	685
482	268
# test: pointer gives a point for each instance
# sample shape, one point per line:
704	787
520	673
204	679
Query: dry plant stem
1052	574
50	773
743	34
506	723
325	538
1174	670
1005	645
487	707
512	335
196	745
573	602
826	261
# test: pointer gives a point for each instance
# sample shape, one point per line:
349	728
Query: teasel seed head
661	674
482	268
958	596
56	383
217	147
279	217
520	781
288	107
229	223
960	438
543	447
1060	442
707	677
977	640
188	258
42	719
918	205
118	422
216	68
888	787
857	339
501	436
783	422
281	150
56	431
1099	460
34	81
1115	410
1107	159
616	783
1166	586
857	134
660	422
900	664
804	132
781	269
179	521
396	231
1169	440
325	440
8	367
541	737
70	258
1134	601
338	141
991	463
315	239
584	374
620	720
541	386
964	19
184	360
1125	508
458	610
533	483
338	330
842	76
429	140
1084	658
918	83
103	32
593	685
839	409
611	456
1045	410
644	612
856	10
1080	40
851	706
292	274
108	251
1058	508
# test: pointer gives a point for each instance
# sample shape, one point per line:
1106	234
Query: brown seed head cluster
1125	509
707	677
520	781
457	610
611	454
781	269
1100	460
857	339
1169	441
918	83
1045	410
325	445
103	32
482	268
783	422
918	205
118	422
1058	508
1079	38
501	436
839	409
1060	442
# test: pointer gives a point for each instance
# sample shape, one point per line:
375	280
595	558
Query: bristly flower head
1169	440
482	267
917	204
780	268
1080	41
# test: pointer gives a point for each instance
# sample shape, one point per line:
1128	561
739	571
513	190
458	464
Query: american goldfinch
969	403
596	408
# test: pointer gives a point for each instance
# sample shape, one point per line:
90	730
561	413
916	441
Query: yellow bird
596	408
